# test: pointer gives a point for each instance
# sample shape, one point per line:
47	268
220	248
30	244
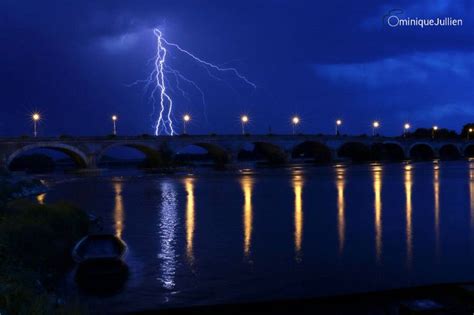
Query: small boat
101	268
99	247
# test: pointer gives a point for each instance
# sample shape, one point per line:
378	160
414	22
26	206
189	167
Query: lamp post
36	118
295	121
469	133
114	121
186	119
338	123
375	125
406	127
244	120
433	131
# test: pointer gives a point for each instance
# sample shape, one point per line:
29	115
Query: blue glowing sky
74	61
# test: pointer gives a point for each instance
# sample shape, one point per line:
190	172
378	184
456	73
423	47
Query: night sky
75	62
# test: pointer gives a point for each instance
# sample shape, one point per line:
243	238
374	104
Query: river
210	237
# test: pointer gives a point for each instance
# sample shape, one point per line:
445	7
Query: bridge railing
239	137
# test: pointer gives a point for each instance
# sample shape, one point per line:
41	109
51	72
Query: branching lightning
160	80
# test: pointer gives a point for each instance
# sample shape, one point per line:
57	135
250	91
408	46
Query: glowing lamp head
295	120
376	124
435	127
338	122
245	119
470	129
406	126
36	116
186	118
114	117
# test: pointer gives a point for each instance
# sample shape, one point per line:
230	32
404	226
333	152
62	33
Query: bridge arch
261	150
449	152
421	151
317	151
153	156
469	150
356	151
78	156
246	151
389	150
218	154
273	153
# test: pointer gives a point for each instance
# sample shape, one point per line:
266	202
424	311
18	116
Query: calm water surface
207	238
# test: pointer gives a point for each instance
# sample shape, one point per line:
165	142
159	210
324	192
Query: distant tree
33	163
465	130
444	133
423	133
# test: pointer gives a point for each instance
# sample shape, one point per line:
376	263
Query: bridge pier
92	163
334	155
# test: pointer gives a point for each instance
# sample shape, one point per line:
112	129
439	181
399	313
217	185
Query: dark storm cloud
74	60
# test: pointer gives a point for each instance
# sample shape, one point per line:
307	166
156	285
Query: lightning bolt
164	124
162	84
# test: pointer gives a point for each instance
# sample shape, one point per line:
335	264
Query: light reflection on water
408	215
377	175
297	181
40	198
167	232
471	192
246	183
436	208
190	224
306	231
341	218
118	208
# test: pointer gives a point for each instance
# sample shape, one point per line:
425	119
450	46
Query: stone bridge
87	151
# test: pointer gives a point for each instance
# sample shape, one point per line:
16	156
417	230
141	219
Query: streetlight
338	123
435	128
406	127
375	125
469	133
36	118
244	119
295	121
114	120
186	119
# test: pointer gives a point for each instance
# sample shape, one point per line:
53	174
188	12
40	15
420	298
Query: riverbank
454	298
35	246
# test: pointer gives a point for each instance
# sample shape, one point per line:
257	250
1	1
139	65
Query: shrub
35	246
41	236
33	163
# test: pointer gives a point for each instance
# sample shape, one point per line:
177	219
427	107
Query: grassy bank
35	246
